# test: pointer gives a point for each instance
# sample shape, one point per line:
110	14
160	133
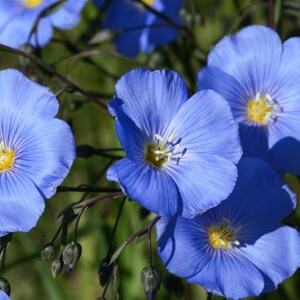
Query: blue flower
237	249
259	77
181	153
36	150
139	29
18	17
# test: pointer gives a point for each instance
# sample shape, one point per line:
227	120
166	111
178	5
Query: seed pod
48	252
71	254
150	279
56	267
105	270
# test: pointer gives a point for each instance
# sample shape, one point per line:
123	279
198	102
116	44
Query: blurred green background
95	68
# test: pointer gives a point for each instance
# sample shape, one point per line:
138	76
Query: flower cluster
140	29
36	150
182	155
29	21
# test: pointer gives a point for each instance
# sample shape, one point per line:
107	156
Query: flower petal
21	203
287	154
259	197
205	126
151	99
152	188
282	242
68	16
178	237
215	79
203	181
252	57
15	87
45	154
231	276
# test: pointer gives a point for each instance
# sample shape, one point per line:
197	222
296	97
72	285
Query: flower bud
105	270
4	286
56	267
150	279
71	254
48	252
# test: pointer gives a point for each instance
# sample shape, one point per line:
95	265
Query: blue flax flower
36	150
18	17
237	249
139	29
259	77
181	153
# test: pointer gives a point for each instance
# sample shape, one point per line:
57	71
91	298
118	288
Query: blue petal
230	275
215	79
252	57
128	42
152	188
132	139
43	34
68	16
254	140
202	181
160	32
282	243
287	154
39	101
205	126
151	99
21	202
45	154
210	147
3	296
259	197
182	245
290	56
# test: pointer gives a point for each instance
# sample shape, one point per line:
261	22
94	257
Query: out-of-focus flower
140	30
18	18
259	77
237	249
181	153
36	150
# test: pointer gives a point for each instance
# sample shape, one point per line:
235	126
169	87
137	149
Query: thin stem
77	222
116	225
86	189
55	73
92	201
209	296
271	22
184	30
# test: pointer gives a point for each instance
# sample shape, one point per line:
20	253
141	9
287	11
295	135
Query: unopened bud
71	254
48	252
4	286
105	270
150	279
56	267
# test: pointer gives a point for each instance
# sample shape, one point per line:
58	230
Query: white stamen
159	137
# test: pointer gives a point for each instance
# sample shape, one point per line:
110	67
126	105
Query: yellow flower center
223	235
7	158
148	2
32	3
163	151
260	109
